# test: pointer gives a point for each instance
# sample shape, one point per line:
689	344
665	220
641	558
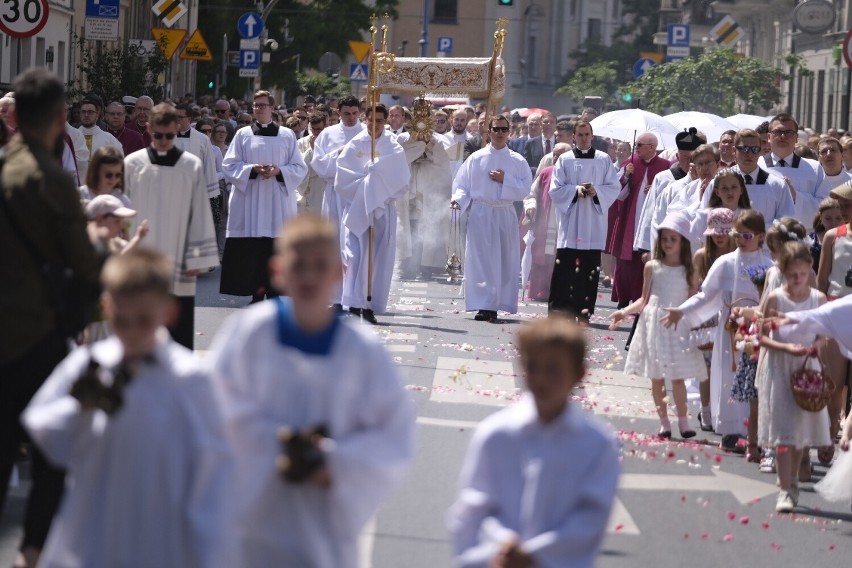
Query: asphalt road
679	503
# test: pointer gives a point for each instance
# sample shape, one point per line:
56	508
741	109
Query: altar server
489	182
339	380
265	167
369	186
584	185
135	421
168	188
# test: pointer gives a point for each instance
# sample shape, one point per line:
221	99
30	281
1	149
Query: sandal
825	455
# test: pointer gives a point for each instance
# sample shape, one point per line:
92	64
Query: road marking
396	336
400	348
408	308
414	285
366	543
744	489
474	381
443	422
620	521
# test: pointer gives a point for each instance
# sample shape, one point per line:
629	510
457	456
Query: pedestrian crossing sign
358	72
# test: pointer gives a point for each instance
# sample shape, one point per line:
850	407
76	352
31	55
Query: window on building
615	9
445	11
60	60
594	31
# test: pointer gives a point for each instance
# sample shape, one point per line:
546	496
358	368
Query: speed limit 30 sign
23	18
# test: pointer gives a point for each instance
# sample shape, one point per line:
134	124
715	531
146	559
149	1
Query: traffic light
627	97
211	81
505	2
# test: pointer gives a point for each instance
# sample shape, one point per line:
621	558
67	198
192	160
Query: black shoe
337	308
704	427
481	315
368	315
729	443
355	312
492	317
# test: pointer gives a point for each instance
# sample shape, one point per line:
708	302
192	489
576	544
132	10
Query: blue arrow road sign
678	35
250	25
642	65
102	8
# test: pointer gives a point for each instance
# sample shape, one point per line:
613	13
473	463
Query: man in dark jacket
40	199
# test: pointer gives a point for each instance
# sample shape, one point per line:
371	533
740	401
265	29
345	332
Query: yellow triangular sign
360	49
168	40
196	48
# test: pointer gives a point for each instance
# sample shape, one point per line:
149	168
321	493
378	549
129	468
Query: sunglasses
261	105
499	129
206	130
779	132
746	149
161	135
743	236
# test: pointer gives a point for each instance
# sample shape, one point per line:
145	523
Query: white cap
107	205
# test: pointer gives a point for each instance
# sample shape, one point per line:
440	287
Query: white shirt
806	180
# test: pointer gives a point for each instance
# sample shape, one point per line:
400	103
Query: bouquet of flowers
757	275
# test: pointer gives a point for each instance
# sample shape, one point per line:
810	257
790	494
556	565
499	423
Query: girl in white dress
665	353
781	422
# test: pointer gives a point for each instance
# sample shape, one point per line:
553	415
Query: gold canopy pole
497	52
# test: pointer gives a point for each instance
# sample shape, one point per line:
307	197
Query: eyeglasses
746	149
640	144
261	105
743	236
112	175
161	135
115	114
206	130
302	118
500	129
829	150
782	132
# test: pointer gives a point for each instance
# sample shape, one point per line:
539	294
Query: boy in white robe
168	188
265	167
327	149
338	377
141	436
583	187
539	477
369	187
489	182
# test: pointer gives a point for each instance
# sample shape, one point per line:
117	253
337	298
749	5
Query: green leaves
599	79
718	81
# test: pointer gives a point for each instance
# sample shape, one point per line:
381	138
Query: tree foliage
718	81
599	79
307	28
112	73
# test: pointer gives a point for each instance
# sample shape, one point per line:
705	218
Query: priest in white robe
168	189
327	148
489	183
154	481
584	186
369	187
347	382
265	167
312	188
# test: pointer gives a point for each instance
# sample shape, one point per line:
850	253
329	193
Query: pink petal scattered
731	515
705	536
743	520
776	546
728	537
765	525
831	547
618	527
717	459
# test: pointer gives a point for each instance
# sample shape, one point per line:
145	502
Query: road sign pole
224	81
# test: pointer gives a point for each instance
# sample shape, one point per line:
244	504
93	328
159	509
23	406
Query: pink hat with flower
720	221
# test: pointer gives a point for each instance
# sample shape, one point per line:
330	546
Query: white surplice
355	391
312	188
726	283
259	207
327	148
550	486
369	189
582	221
99	137
174	201
643	240
198	144
151	485
807	180
492	251
81	151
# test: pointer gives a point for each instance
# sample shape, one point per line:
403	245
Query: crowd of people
310	211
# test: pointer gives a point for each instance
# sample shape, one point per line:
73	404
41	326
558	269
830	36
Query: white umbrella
628	123
746	120
710	124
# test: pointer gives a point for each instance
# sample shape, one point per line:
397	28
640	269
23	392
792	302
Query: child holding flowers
782	424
